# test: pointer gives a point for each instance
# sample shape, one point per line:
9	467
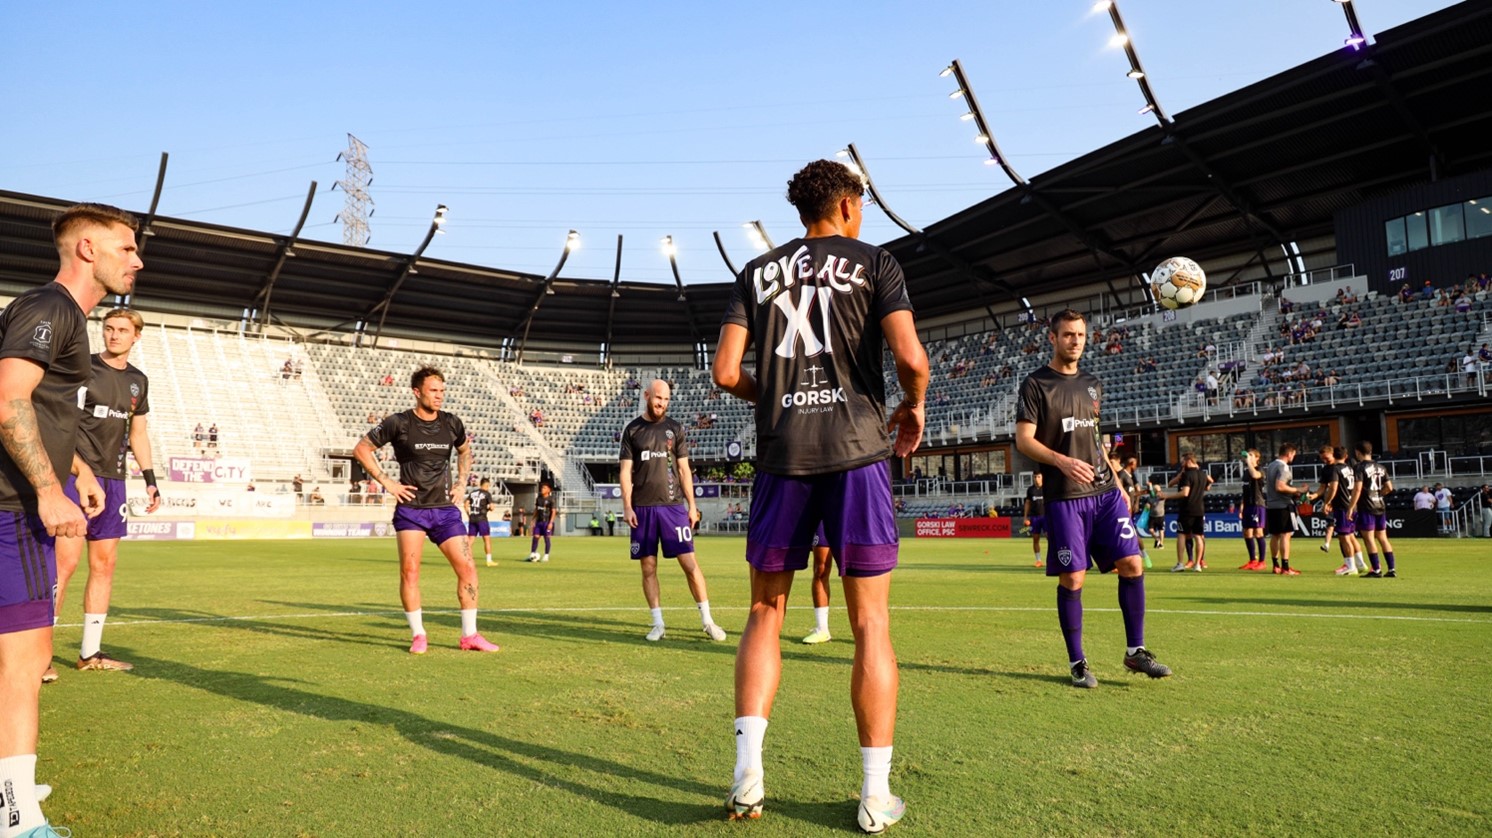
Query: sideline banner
225	529
153	530
963	528
201	470
1401	524
219	502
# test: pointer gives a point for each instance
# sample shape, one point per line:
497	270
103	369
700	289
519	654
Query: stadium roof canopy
1227	183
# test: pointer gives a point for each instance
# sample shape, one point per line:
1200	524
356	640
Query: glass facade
1441	225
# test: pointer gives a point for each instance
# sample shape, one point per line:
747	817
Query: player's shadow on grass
1352	604
500	753
317	632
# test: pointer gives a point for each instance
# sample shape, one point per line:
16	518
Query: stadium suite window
1418	233
1479	217
1447	225
1397	239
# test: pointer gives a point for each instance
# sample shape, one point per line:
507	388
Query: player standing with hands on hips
1087	516
658	504
817	309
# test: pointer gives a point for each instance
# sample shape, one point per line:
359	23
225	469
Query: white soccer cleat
818	635
491	563
655	634
746	797
714	632
877	813
1179	568
545	558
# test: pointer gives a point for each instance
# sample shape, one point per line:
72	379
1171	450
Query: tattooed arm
463	472
22	439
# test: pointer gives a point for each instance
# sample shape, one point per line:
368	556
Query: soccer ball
1178	282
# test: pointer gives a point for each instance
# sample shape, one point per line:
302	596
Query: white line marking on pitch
961	608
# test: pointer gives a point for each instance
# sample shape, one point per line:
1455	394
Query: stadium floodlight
1355	36
981	138
572	241
946	72
1102	5
440	218
955	94
1118	39
984	136
669	248
1135	74
842	153
1122	39
966	117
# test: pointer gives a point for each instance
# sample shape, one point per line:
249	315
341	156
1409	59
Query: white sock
704	613
877	762
1129	651
1361	564
468	622
821	618
93	634
657	615
1036	556
489	557
18	795
416	620
750	731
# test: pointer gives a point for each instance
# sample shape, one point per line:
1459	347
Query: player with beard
658	504
424	438
44	363
1088	519
1373	484
817	309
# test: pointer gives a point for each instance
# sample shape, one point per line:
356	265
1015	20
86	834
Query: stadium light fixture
1355	37
1118	39
966	117
1135	74
857	165
440	218
572	241
669	248
1102	6
1122	39
984	136
955	94
946	72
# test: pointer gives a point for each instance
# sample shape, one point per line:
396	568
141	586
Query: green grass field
273	695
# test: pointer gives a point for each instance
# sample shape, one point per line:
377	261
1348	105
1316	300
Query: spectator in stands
299	367
199	436
1424	499
1463	304
1486	494
1285	305
212	436
287	370
299	486
1405	293
250	488
315	496
1330	379
1443	501
1427	292
1209	383
1243	398
1484	354
1350	320
1469	367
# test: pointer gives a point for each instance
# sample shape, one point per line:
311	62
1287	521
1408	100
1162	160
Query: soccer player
816	310
424	438
478	504
116	408
1338	483
1373	484
44	363
658	504
1253	511
1088	523
1279	509
1034	516
1191	519
822	561
544	510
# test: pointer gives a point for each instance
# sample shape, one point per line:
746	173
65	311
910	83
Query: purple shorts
853	507
1038	525
1368	522
28	573
1253	517
440	523
541	528
1089	532
479	526
111	523
1343	521
667	524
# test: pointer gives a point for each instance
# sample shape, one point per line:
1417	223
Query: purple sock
1250	543
1262	549
1189	543
533	546
1070	618
1132	606
1388	556
1373	560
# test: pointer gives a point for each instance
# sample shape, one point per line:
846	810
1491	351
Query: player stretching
1372	514
114	423
544	511
1338	484
478	503
1088	523
658	504
1253	510
823	560
1279	509
816	310
424	438
44	363
1035	516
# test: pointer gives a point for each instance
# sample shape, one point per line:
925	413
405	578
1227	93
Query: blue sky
640	119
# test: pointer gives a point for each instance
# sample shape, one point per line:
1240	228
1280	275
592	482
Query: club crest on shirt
668	434
134	389
1064	557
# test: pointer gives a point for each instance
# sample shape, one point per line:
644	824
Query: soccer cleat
46	830
1180	567
1289	571
1373	574
746	797
1199	567
1038	563
491	563
1324	547
655	634
1082	676
418	645
49	675
478	643
714	632
104	663
877	813
1189	564
1249	565
1344	570
1392	574
1143	661
818	635
1277	570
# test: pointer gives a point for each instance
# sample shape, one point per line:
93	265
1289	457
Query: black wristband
149	475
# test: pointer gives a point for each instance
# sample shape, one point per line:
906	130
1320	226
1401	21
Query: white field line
927	608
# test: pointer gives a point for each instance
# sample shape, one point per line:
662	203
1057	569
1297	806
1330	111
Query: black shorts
1192	524
1279	521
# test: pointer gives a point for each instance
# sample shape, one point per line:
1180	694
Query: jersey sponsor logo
432	446
103	411
1071	423
802	398
1064	557
652	455
42	337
